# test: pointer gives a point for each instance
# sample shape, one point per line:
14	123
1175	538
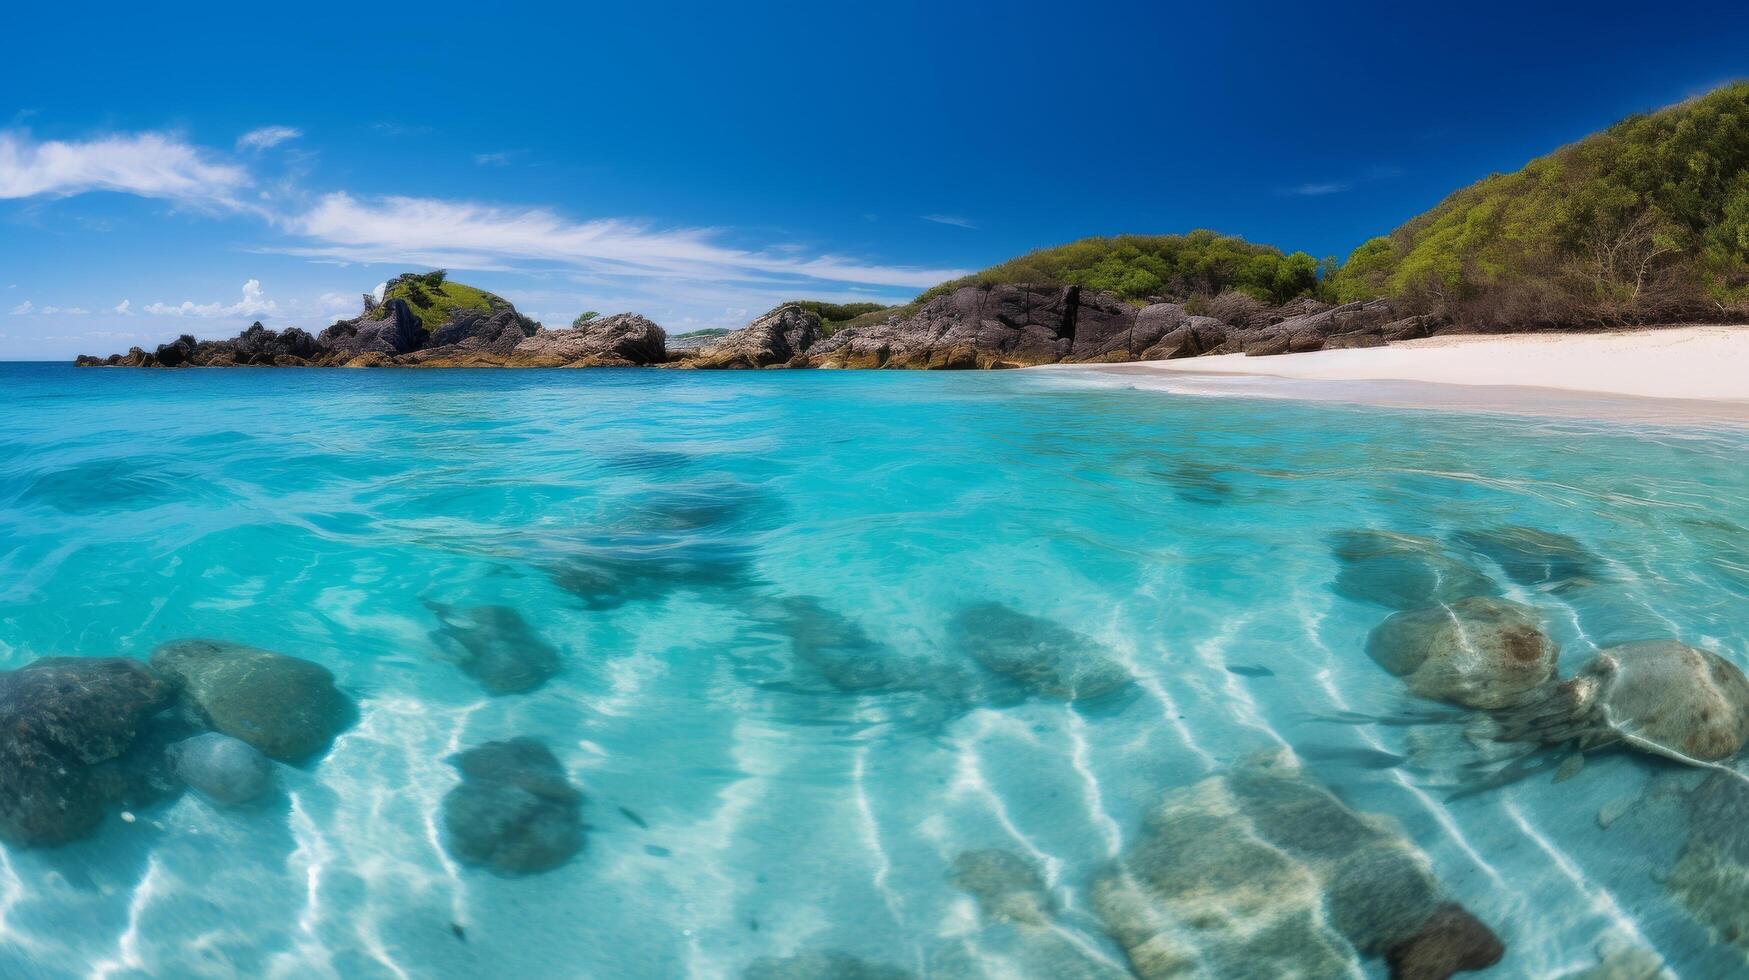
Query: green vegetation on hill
1137	267
431	296
835	316
1648	219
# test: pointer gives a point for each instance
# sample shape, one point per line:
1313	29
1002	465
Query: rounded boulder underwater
221	768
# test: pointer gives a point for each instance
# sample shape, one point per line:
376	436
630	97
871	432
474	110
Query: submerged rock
495	646
1711	877
1008	887
221	768
286	707
515	812
61	720
1046	658
822	965
1479	652
1262	872
840	652
1657	696
1403	571
613	571
1530	556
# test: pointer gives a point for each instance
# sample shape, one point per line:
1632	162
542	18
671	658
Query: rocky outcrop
780	338
621	340
986	326
286	707
397	331
474	339
973	327
515	812
64	721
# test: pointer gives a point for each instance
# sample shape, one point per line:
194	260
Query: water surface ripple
770	596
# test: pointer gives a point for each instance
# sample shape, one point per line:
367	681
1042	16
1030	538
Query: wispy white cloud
1326	188
1319	190
125	307
492	159
950	219
27	308
267	136
253	303
467	235
146	164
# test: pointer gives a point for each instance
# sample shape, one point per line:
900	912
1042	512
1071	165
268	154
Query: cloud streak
267	136
468	235
147	164
950	219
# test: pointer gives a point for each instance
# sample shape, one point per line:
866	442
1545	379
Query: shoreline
1682	373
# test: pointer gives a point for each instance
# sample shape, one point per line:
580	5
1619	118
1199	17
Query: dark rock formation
394	330
177	353
221	768
515	812
778	339
973	327
61	720
624	339
286	707
474	339
495	646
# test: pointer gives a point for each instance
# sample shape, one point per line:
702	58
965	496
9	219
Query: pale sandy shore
1700	371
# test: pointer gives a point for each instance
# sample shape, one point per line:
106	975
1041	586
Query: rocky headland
972	327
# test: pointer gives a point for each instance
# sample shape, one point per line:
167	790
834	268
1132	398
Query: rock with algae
1479	652
1657	696
1532	556
1261	872
64	722
287	707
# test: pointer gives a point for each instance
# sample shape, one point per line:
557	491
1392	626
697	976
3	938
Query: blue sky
165	173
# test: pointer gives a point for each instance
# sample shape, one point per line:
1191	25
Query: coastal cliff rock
624	339
399	331
972	327
780	338
976	326
474	339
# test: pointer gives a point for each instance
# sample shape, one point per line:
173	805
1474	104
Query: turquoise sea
786	609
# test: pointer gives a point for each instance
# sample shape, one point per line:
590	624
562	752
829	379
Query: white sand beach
1705	362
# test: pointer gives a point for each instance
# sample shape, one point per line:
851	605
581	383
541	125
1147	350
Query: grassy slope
1648	218
1137	267
433	304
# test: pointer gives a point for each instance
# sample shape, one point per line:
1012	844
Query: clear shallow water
318	513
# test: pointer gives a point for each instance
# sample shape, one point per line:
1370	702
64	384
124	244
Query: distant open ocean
770	593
